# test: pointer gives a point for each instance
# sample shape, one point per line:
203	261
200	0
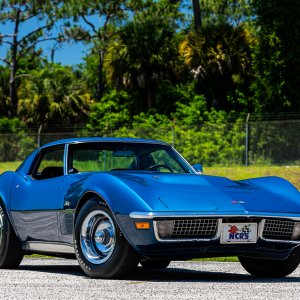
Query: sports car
114	203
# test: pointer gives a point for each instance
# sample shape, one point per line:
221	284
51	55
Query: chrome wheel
98	237
101	250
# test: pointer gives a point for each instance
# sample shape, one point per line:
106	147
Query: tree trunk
149	98
197	15
13	91
148	85
13	69
100	85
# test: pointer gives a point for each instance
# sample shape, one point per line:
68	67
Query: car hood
192	193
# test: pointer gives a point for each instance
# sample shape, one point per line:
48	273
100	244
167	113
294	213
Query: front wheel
100	248
270	267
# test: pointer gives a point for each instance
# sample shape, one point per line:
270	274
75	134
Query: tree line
184	61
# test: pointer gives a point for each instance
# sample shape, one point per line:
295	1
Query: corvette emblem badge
237	202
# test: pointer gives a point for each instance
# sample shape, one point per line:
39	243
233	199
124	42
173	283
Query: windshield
104	156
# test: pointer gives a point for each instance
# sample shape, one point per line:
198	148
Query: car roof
101	139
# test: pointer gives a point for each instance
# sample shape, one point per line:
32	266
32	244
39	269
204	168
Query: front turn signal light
142	225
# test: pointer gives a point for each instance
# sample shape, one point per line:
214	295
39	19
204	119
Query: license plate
239	233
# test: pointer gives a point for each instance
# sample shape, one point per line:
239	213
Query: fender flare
275	185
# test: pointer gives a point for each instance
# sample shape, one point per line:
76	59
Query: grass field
220	259
291	173
9	166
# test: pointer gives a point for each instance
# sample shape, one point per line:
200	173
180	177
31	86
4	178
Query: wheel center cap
99	236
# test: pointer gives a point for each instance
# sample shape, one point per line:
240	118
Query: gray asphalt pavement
63	279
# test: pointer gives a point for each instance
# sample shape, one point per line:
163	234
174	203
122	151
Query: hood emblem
237	202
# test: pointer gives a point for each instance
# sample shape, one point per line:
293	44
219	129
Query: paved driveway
63	279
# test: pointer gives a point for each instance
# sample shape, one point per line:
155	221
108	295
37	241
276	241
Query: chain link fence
238	143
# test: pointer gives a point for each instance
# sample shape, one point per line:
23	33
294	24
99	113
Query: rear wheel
154	264
101	249
11	253
270	267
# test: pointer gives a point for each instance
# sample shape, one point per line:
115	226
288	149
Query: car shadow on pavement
49	268
184	275
170	274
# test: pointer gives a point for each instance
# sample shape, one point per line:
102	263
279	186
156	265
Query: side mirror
198	168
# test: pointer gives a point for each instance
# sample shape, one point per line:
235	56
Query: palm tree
219	60
143	54
53	96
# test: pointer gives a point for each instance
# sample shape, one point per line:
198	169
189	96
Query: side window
50	164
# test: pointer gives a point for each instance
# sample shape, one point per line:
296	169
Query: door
36	197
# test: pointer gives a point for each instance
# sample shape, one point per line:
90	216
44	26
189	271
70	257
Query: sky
68	54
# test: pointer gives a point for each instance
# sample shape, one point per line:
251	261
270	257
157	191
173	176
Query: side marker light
142	225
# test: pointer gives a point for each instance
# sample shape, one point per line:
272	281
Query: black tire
95	229
11	253
269	267
154	264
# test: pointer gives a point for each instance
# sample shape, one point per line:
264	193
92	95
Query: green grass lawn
291	173
9	166
219	259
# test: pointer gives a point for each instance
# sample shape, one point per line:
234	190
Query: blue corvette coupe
114	203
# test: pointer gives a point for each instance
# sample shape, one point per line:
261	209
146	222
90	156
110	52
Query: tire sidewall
106	269
272	268
5	233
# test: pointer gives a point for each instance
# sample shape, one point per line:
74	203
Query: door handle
25	178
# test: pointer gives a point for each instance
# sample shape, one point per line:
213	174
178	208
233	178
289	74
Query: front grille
278	230
187	228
